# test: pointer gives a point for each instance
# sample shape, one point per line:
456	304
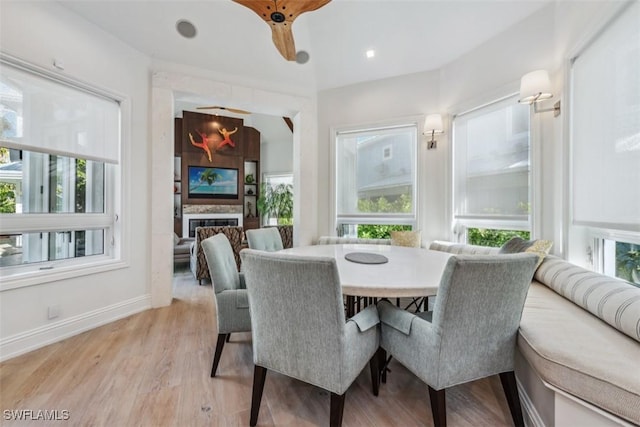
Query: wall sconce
432	125
535	87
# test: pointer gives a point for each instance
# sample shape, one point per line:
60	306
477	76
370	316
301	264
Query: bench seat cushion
580	354
333	240
612	300
462	248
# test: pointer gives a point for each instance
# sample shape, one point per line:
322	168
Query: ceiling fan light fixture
186	29
302	57
279	15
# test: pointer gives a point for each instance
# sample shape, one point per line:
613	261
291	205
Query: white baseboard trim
530	413
25	342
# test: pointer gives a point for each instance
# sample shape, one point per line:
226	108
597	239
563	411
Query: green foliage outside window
7	190
493	237
402	204
7	198
371	231
276	202
81	185
628	262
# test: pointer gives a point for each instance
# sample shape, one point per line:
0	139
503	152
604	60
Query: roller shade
42	115
605	127
491	162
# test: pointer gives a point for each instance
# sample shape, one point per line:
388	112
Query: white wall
38	32
276	157
492	70
276	144
368	103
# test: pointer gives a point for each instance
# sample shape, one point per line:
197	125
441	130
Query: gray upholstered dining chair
264	239
313	343
232	303
471	332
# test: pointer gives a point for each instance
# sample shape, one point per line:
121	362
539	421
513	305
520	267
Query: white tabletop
410	272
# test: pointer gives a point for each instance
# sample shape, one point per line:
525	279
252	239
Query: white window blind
491	163
605	127
45	116
376	175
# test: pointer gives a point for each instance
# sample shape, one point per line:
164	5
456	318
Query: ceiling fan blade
217	107
283	39
280	14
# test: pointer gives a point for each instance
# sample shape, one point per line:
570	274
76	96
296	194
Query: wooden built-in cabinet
177	177
243	154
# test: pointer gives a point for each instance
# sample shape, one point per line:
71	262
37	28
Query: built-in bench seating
580	333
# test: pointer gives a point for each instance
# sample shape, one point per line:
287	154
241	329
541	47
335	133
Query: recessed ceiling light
186	29
371	53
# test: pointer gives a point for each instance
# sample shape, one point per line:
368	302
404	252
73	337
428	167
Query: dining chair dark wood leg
438	407
510	387
218	353
228	337
336	409
259	375
382	364
374	367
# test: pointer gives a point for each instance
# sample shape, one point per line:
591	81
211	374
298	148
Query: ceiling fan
231	110
280	14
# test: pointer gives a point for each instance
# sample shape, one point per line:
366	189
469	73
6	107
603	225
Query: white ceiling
408	36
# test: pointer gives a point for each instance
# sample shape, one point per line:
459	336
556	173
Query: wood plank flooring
152	369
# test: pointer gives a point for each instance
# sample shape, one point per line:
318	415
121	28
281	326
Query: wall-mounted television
213	183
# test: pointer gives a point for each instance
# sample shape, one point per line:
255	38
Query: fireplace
191	221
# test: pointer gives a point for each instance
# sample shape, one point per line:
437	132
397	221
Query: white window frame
386	219
110	220
460	224
599	252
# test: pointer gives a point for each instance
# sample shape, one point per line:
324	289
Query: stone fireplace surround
190	212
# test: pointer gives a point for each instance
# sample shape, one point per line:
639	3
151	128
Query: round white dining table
409	272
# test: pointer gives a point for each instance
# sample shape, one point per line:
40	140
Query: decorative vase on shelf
249	179
250	192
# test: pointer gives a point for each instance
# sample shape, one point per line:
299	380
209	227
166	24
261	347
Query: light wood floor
152	369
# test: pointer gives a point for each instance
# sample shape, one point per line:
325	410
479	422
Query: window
375	180
493	237
622	260
491	167
59	151
387	153
605	158
278	195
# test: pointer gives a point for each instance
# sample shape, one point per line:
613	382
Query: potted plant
276	202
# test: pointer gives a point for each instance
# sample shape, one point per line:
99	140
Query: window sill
35	276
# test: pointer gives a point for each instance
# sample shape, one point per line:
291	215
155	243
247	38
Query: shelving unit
177	194
250	196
